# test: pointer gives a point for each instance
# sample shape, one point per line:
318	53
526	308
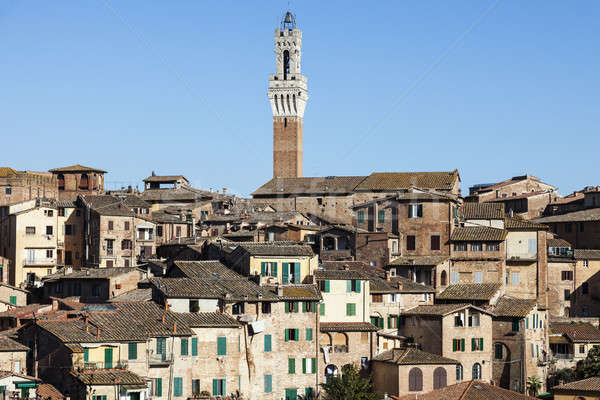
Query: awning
20	385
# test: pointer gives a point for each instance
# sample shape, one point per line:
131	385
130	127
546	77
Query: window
291	306
219	387
267	343
291	365
194	346
492	246
476	344
460	246
361	216
439	378
49	230
585	263
196	386
309	365
30	230
476	246
126	244
459	319
584	288
415	210
443	278
415	380
353	285
68	229
49	213
350	309
377	298
568	227
221	346
237	308
268	383
13	300
515	278
126	225
132	351
393	321
268	268
454	277
474	319
99	397
458	345
566	275
292	335
411	243
49	253
265	308
324	286
381	216
567	294
159	231
581	348
515	325
435	242
476	371
96	289
478	277
498	351
459	373
109	263
185	346
156	387
8	190
308	306
111	225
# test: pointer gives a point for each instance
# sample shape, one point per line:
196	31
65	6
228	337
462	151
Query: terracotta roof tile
339	275
483	210
589	385
439	309
48	392
8	344
512	307
520	223
108	377
208	320
557	242
277	249
300	292
586	254
469	390
411	356
404	180
418	260
164	178
209	269
473	233
347	327
469	291
577	332
591	214
77	168
309	185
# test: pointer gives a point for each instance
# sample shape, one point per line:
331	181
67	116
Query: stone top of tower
288	21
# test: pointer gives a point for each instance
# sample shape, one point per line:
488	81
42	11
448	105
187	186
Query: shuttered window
361	216
439	378
221	346
291	365
322	309
268	383
415	380
132	351
177	386
381	216
350	309
267	343
195	346
309	334
184	346
13	300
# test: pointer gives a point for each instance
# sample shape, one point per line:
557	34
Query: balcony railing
563	356
39	262
516	256
122	364
159	359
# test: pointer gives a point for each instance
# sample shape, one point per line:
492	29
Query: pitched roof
7	171
347	327
209	269
168	194
521	196
135	201
469	291
418	260
586	254
312	185
507	306
483	233
440	309
469	390
90	273
108	377
403	180
557	242
208	320
520	224
589	385
226	289
77	168
277	249
339	274
591	214
138	294
577	332
46	391
164	178
300	292
107	205
483	210
412	356
8	344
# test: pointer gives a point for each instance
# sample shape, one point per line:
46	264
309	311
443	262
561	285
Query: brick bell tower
287	95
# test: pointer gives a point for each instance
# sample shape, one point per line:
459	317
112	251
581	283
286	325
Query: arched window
459	373
84	182
285	122
330	372
567	312
61	182
439	378
286	64
476	371
444	278
415	380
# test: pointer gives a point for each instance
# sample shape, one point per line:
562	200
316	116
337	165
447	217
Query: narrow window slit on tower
285	122
286	64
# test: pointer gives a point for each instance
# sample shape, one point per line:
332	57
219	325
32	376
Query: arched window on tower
444	278
285	122
84	182
286	64
61	182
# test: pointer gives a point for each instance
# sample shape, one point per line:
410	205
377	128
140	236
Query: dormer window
459	319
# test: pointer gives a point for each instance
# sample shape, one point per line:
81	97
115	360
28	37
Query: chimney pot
175	327
388	276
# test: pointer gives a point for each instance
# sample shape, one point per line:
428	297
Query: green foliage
590	366
349	386
534	384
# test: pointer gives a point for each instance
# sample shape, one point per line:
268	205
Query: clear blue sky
494	89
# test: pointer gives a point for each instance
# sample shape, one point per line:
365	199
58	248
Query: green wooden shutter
108	358
358	286
267	343
410	211
527	322
296	306
348	309
381	215
286	271
221	346
462	344
454	344
473	345
348	286
389	322
194	346
308	392
177	386
291	365
515	325
296	272
309	334
158	389
215	387
304	365
327	286
322	309
13	300
268	383
263	269
420	210
132	350
314	365
287	335
380	322
184	346
297	334
481	344
274	273
304	306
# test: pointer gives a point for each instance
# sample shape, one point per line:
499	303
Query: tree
349	386
534	384
590	366
562	376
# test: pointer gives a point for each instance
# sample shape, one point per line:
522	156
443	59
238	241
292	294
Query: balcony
517	256
563	356
122	364
39	262
158	360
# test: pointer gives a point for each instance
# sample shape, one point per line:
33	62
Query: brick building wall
287	147
19	186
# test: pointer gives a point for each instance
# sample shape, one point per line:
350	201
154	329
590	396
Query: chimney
279	290
97	332
87	322
18	322
224	190
346	268
399	285
174	327
164	319
388	276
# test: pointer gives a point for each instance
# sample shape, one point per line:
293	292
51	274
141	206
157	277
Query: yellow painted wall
307	265
337	298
